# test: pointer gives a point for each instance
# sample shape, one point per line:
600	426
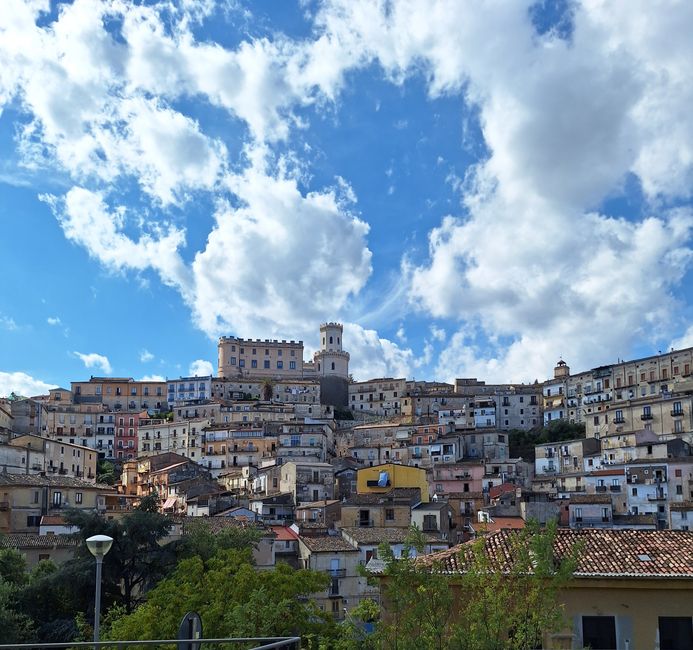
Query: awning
169	503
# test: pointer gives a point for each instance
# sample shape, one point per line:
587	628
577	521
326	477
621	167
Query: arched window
333	365
337	340
330	340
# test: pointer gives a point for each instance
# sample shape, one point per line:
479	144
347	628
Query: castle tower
331	365
330	360
562	369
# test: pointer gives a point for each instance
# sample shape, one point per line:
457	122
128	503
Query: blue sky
474	189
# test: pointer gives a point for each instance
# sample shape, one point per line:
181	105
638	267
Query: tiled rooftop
32	540
51	480
605	553
681	506
375	535
590	498
327	544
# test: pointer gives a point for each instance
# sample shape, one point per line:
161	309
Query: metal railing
246	643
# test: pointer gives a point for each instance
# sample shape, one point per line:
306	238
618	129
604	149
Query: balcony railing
585	522
677	413
646	416
657	497
336	573
600	488
620	420
615	488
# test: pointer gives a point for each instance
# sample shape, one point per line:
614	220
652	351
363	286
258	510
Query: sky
475	189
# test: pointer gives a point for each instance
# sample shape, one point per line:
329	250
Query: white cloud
146	356
373	356
438	333
94	360
401	334
8	323
281	260
685	341
200	368
87	221
22	384
152	378
53	321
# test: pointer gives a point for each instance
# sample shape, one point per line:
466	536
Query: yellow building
383	478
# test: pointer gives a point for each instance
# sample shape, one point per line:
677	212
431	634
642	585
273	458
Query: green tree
106	472
199	540
498	606
137	559
233	599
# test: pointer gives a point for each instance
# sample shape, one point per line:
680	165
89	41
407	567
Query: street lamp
98	545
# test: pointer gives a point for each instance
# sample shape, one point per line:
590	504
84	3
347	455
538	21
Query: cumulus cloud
532	267
373	356
200	368
86	220
53	321
152	378
94	360
146	356
279	261
529	267
686	340
23	384
8	323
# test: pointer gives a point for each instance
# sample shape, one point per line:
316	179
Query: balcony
646	416
620	420
660	496
336	573
600	488
676	413
591	522
4	505
614	488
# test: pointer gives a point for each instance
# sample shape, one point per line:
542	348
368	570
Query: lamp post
98	545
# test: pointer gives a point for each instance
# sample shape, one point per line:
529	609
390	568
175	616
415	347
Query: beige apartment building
261	358
625	396
183	437
25	498
118	393
377	396
60	458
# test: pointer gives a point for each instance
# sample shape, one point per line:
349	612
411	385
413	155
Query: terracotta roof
284	534
503	523
51	480
52	520
375	535
635	520
605	553
32	540
590	498
327	544
681	505
497	490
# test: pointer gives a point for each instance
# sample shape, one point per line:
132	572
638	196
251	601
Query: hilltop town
328	468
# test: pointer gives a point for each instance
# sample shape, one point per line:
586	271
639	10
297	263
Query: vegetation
148	587
487	607
106	472
522	442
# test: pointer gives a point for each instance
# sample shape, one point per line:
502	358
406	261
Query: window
266	363
675	632
241	363
333	365
280	365
33	521
253	363
598	632
292	365
57	498
232	361
78	497
389	514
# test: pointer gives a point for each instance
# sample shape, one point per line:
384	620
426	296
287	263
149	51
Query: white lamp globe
99	545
